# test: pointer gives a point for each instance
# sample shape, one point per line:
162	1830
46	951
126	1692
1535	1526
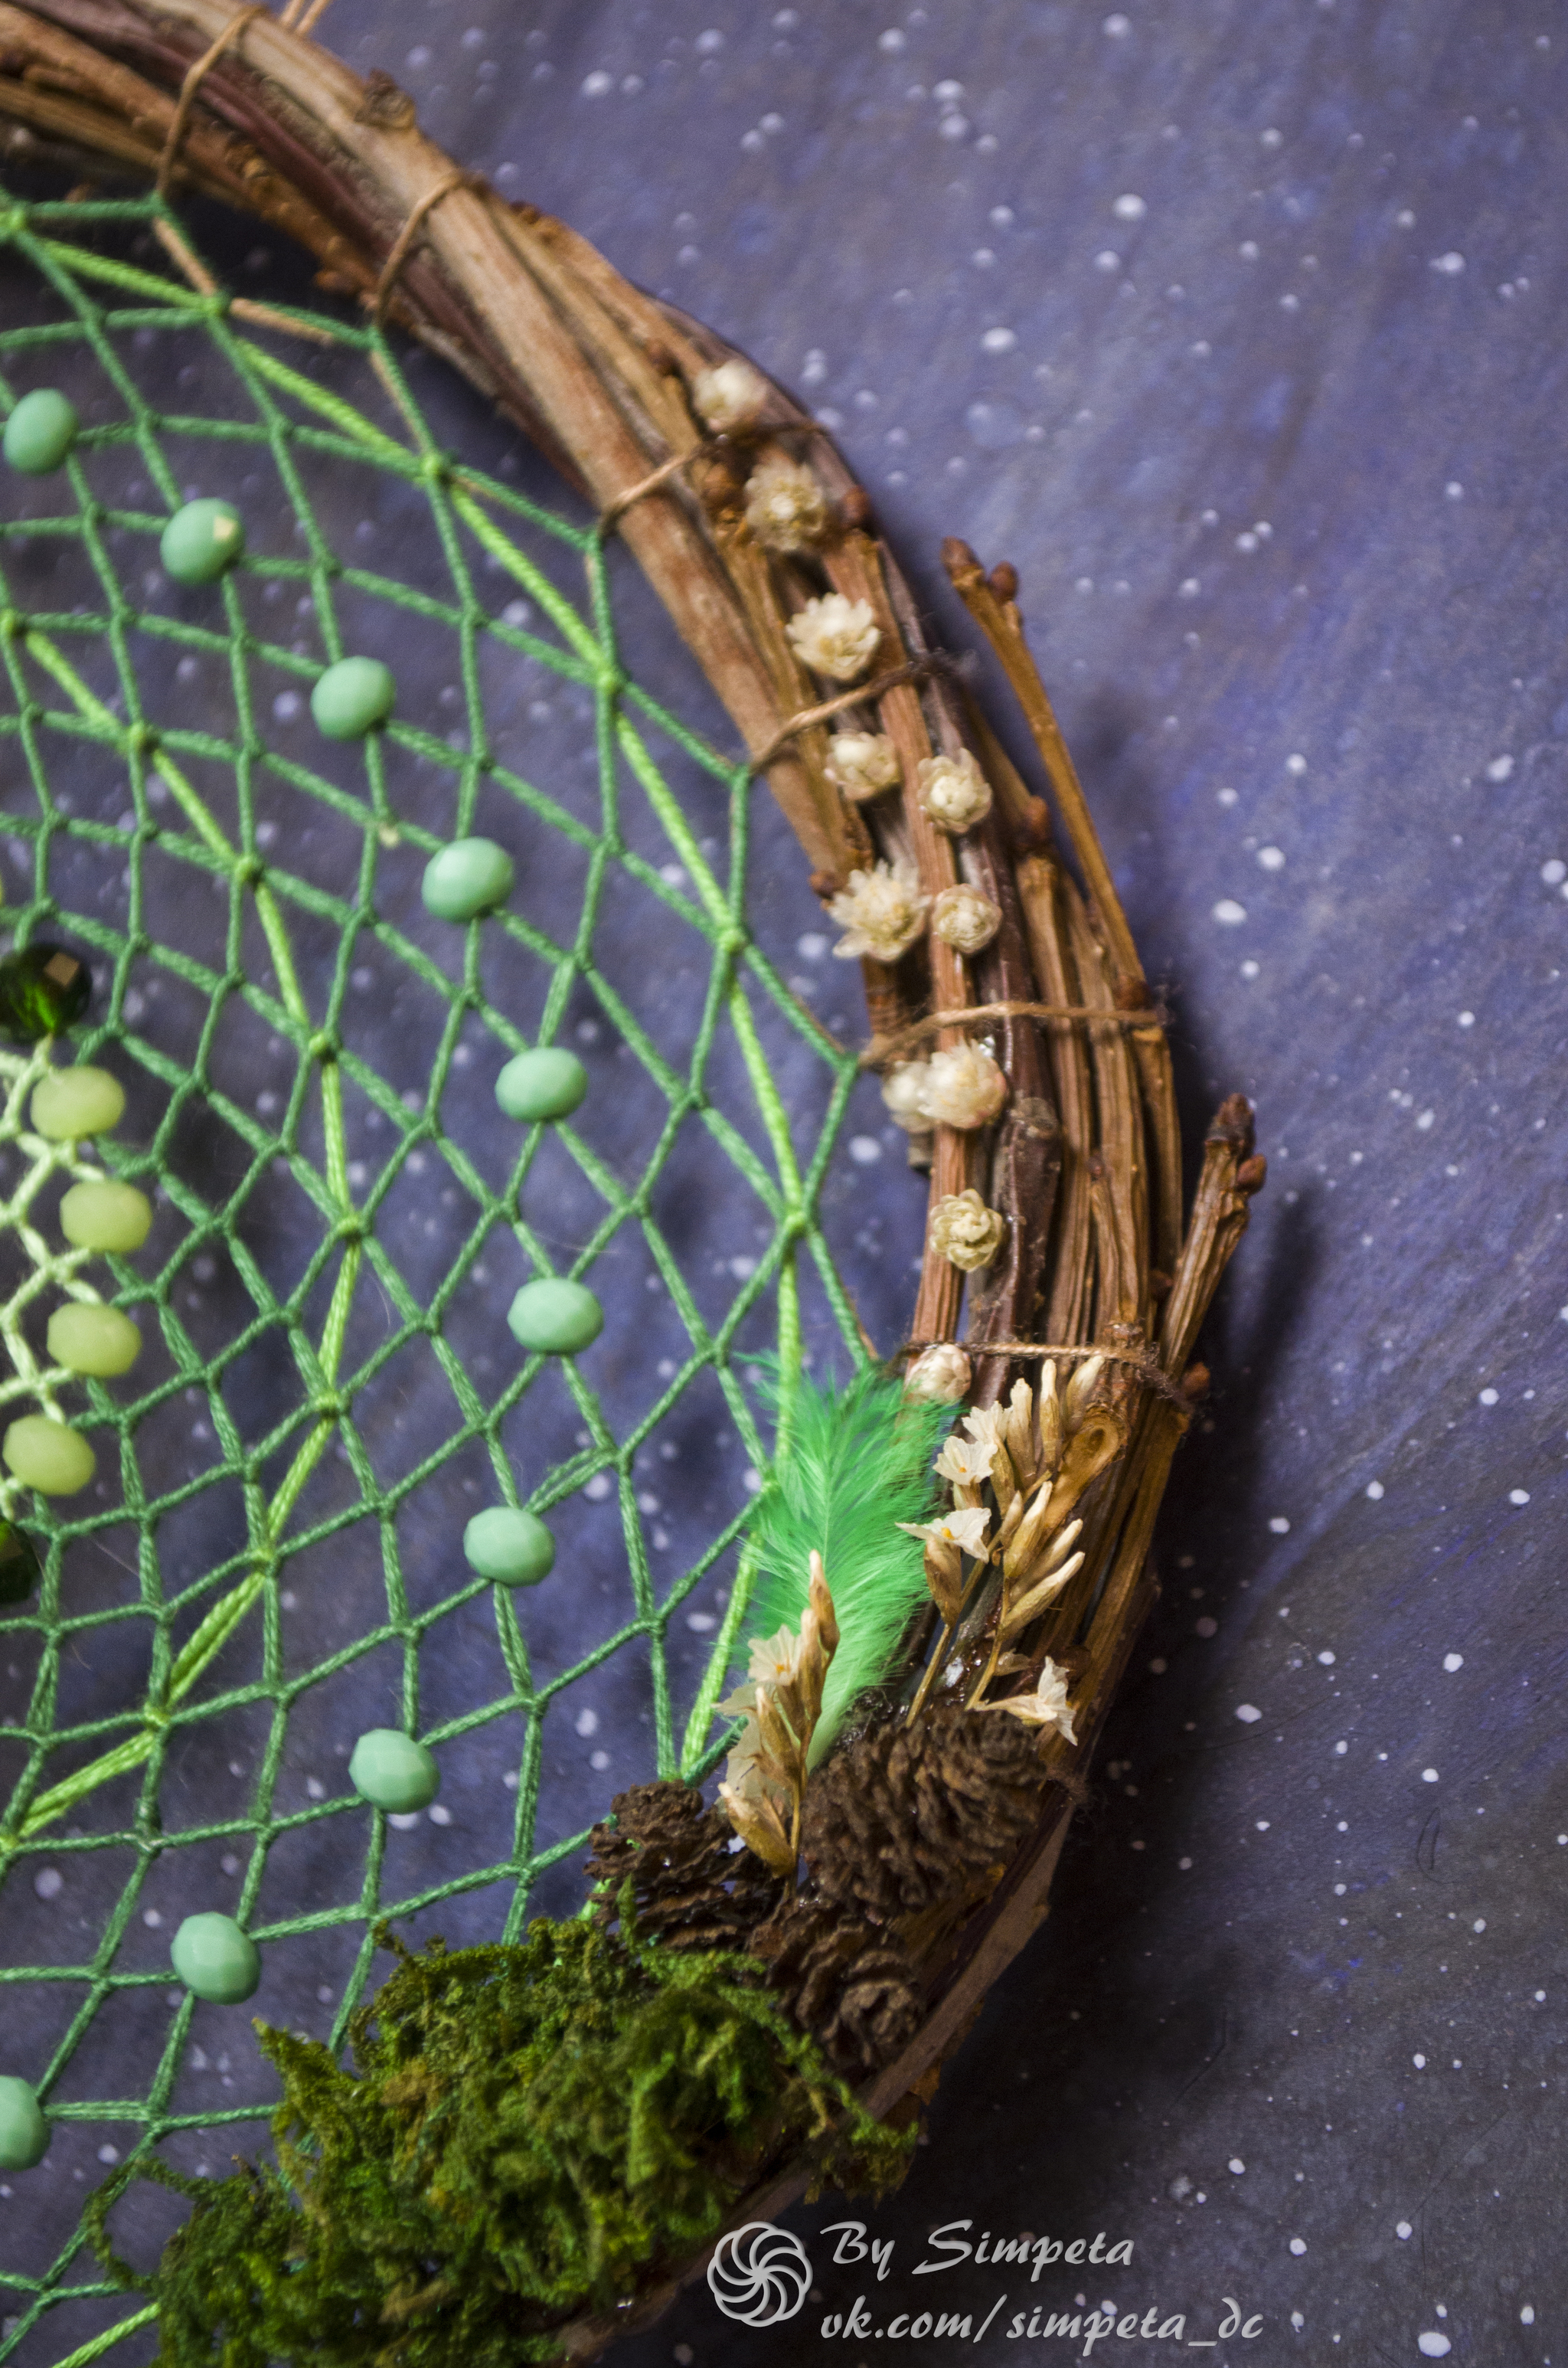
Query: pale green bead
216	1960
202	542
543	1084
99	1340
393	1773
105	1216
70	1103
24	2133
559	1317
466	879
47	1456
509	1545
352	697
41	432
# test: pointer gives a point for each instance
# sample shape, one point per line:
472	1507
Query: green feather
858	1461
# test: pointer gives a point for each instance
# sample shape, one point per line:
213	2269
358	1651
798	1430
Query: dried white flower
940	1374
961	917
1047	1706
987	1425
964	1530
902	1090
965	1232
966	1461
954	791
786	507
963	1087
881	912
834	636
863	764
729	397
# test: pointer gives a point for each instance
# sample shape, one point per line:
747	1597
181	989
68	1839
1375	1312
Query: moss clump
527	2132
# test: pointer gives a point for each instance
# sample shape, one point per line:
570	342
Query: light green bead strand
558	1317
41	432
216	1959
393	1773
106	1216
70	1103
202	542
352	697
97	1340
544	1083
24	2133
46	1455
466	879
509	1545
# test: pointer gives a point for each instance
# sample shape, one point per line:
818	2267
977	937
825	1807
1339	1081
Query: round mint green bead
202	542
216	1960
40	431
105	1216
70	1103
352	697
467	878
513	1547
393	1773
24	2133
549	1083
46	1455
559	1317
97	1340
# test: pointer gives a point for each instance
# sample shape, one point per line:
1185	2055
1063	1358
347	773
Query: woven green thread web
269	1560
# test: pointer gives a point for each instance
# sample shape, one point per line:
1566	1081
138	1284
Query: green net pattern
271	1549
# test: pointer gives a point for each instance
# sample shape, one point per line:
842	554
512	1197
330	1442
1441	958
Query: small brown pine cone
851	1987
691	1889
905	1819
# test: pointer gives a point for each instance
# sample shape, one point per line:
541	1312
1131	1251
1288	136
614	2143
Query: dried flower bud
902	1090
965	1232
954	791
962	917
963	1087
881	912
786	507
940	1374
863	764
729	397
834	636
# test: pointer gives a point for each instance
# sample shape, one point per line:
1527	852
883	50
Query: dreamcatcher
345	1390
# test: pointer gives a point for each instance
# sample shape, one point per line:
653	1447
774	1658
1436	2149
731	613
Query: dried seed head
729	397
881	912
962	917
954	791
1079	1390
963	1087
863	764
965	1232
902	1090
834	636
940	1375
786	507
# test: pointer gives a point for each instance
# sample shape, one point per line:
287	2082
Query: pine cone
903	1819
692	1888
847	1984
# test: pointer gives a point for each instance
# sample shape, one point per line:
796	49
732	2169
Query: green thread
75	682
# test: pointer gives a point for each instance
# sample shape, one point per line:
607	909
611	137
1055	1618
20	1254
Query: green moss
528	2132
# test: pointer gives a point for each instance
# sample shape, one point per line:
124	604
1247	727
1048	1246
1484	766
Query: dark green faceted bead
43	989
19	1563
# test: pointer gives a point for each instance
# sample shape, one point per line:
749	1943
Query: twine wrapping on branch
192	84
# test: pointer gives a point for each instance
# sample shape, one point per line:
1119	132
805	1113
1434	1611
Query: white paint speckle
1271	859
1327	1659
1419	2062
48	1882
598	1761
1428	1776
1487	1397
1478	1925
1117	28
1229	913
1248	1712
1403	2231
1433	2345
1499	769
891	41
1107	259
1236	2165
586	1722
1279	1525
1297	2244
596	85
1450	266
999	341
1452	1661
1129	208
1375	1491
1261	1824
1296	764
1518	1495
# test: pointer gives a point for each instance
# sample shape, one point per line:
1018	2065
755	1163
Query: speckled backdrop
1239	329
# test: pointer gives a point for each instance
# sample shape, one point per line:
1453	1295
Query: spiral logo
760	2274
